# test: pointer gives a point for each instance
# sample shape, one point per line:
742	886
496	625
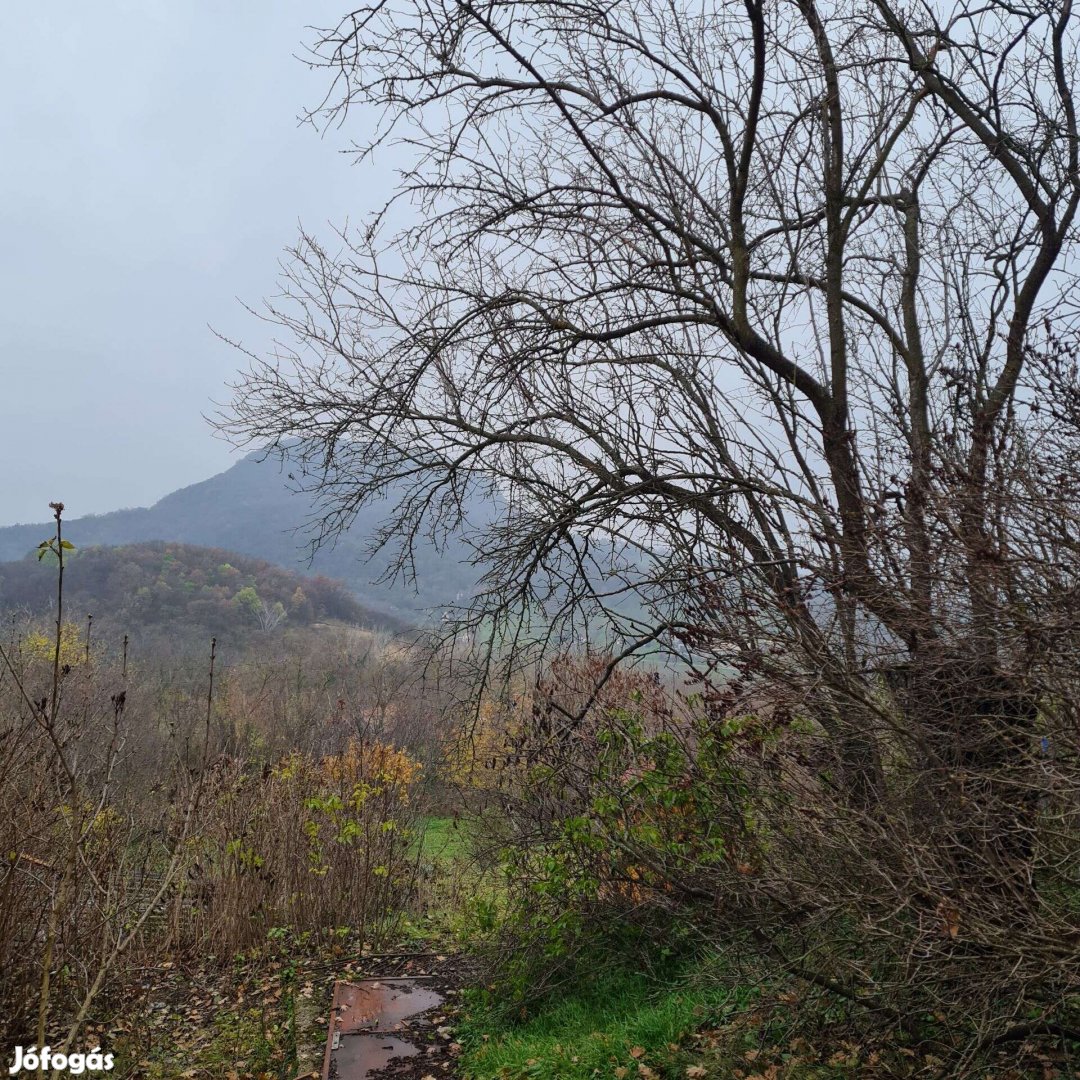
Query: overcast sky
152	170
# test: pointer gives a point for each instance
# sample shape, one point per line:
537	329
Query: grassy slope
623	1022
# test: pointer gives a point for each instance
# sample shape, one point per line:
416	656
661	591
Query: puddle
361	1055
381	1003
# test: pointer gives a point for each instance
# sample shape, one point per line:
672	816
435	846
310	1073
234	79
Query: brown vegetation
151	813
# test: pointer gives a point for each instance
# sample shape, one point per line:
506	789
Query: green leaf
44	544
67	545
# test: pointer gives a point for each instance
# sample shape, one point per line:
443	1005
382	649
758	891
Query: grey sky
151	172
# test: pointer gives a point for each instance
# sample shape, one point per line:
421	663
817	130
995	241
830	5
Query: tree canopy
759	312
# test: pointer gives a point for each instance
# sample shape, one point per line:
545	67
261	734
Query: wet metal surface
362	1054
369	1025
381	1003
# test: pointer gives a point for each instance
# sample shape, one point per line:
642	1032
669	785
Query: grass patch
443	840
459	897
624	1024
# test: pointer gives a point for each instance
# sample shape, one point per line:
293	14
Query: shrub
312	844
733	826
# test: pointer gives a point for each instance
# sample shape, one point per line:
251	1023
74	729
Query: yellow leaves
41	646
371	769
288	767
375	769
311	826
485	757
105	819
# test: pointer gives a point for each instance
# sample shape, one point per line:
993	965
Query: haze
153	170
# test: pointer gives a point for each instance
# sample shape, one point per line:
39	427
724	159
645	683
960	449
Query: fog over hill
250	509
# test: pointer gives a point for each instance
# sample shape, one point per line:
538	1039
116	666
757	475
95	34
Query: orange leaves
373	762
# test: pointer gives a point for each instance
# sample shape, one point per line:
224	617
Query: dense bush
729	824
159	810
306	844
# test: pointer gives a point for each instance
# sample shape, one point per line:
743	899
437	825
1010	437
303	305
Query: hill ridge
249	509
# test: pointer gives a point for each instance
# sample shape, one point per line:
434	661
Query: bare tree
758	314
731	292
269	616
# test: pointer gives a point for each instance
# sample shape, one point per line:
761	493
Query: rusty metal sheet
362	1055
368	1025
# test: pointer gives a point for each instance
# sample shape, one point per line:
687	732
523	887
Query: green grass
460	899
621	1022
443	840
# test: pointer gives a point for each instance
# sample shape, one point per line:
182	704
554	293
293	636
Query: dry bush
79	847
311	690
727	814
124	822
152	810
308	844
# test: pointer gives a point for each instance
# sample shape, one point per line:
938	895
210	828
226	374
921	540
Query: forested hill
186	590
249	509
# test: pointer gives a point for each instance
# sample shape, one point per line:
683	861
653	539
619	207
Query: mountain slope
249	509
183	589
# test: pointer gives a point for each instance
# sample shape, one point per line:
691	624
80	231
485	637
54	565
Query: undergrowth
623	1023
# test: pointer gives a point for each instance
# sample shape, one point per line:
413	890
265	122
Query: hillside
249	509
190	592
